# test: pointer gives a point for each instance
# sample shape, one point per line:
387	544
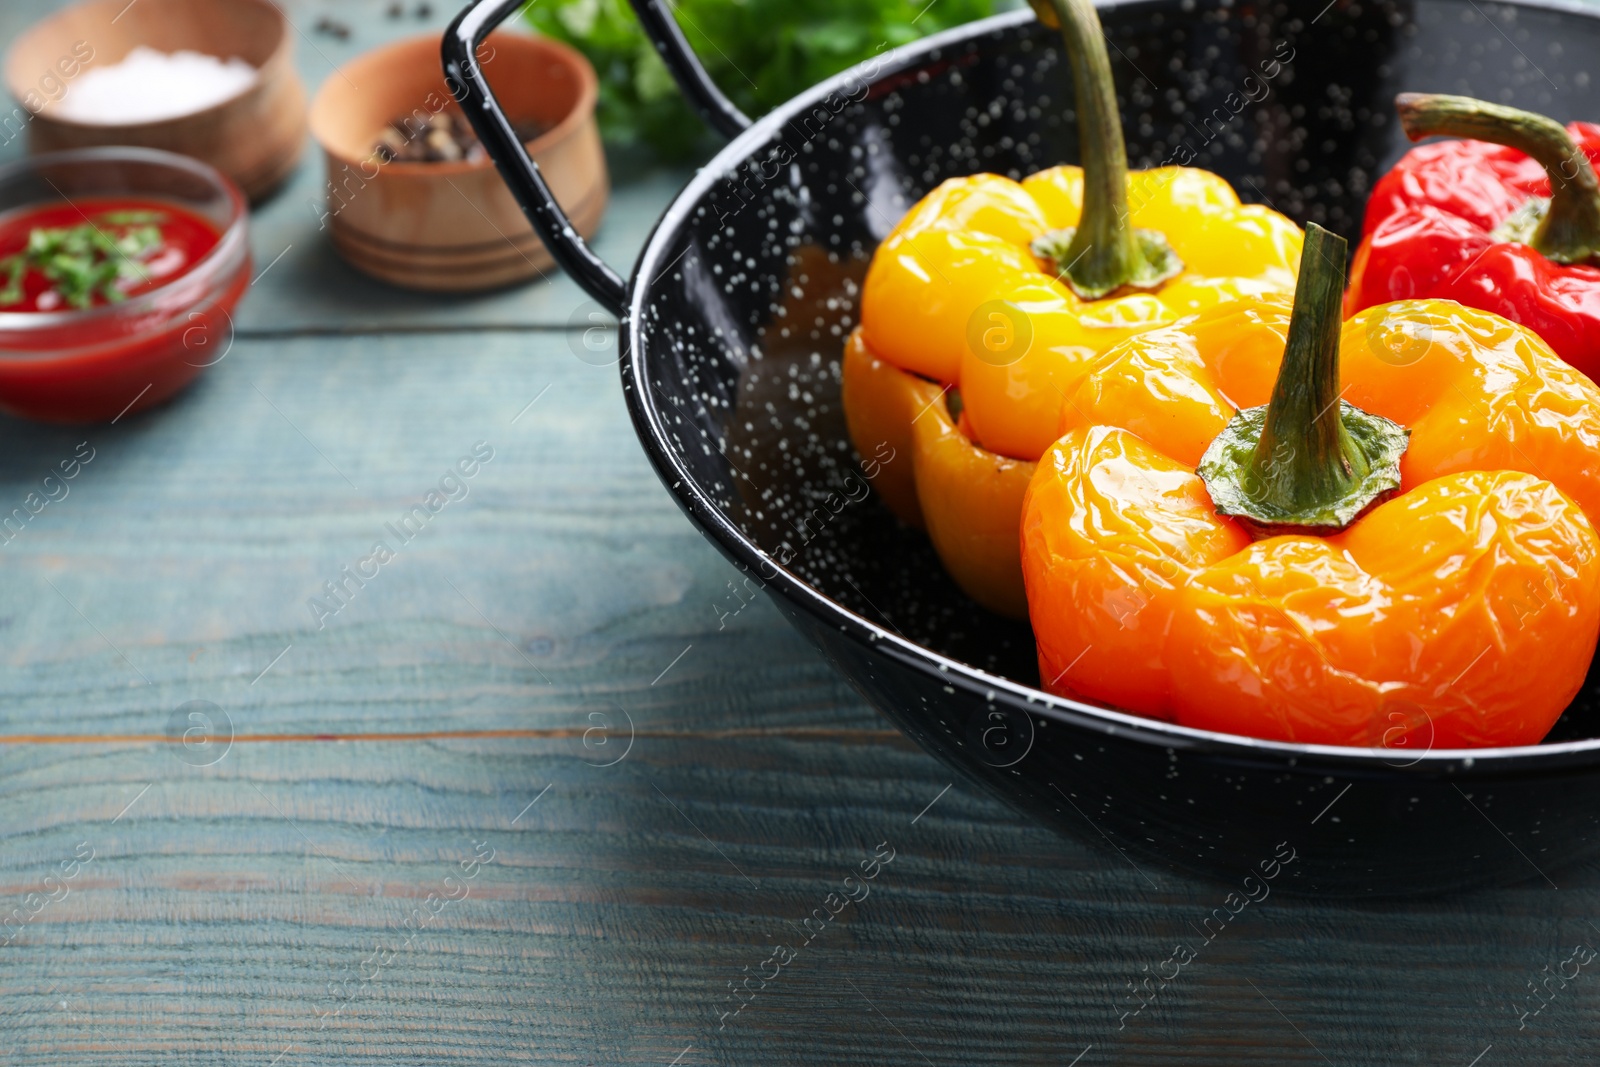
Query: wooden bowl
254	138
454	226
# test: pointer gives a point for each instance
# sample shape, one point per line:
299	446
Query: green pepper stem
1307	461
1305	456
1104	253
1568	230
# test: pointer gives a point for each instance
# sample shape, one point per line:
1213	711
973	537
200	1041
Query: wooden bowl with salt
452	225
255	136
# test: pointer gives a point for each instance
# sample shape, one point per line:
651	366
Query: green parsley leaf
759	52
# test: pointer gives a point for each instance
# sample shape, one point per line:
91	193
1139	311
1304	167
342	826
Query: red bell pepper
1508	221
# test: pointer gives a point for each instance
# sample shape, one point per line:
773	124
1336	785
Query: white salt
149	86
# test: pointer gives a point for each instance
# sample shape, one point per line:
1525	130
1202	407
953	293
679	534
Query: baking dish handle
464	78
717	110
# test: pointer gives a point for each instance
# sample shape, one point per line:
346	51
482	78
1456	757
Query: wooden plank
232	885
164	576
218	908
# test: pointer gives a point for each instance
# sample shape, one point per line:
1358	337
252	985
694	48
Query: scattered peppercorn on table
422	829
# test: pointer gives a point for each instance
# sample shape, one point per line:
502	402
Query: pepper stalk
1566	227
1103	253
1307	461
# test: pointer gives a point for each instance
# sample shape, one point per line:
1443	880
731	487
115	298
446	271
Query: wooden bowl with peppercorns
412	198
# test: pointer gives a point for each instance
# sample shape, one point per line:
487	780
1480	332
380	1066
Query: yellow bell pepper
987	303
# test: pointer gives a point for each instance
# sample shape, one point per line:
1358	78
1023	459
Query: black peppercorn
333	28
444	137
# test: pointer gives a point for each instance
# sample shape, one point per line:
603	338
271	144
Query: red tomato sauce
119	356
185	240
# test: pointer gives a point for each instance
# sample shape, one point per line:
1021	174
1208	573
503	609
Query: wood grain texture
231	907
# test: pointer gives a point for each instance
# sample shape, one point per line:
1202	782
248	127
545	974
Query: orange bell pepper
1279	571
1003	293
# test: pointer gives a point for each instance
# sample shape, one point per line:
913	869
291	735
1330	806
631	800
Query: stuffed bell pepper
1259	522
987	302
1507	221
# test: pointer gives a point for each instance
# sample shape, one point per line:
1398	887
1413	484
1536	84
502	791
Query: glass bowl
101	363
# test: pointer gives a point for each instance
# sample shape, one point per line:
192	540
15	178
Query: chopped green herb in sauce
95	258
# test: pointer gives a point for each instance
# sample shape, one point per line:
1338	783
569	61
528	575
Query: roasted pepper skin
965	497
881	407
1461	613
1427	234
966	245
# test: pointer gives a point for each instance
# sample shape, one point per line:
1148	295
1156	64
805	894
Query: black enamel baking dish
732	328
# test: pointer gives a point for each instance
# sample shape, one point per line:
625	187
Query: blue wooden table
532	795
